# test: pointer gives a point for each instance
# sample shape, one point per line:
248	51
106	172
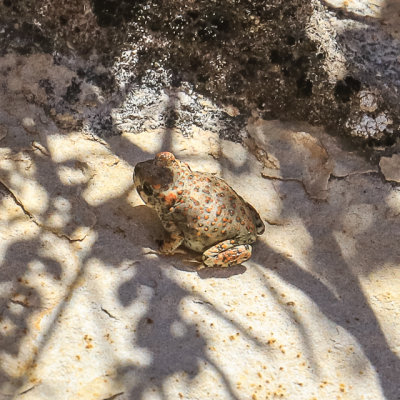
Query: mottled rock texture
328	62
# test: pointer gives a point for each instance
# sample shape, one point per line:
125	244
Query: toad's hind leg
260	227
226	254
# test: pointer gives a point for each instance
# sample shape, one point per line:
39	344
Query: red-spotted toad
198	210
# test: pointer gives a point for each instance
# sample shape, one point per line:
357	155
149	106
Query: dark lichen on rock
283	59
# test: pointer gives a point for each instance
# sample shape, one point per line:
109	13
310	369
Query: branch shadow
176	346
333	280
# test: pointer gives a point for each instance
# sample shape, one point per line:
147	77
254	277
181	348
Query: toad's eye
147	189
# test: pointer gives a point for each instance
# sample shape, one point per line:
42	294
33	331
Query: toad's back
208	211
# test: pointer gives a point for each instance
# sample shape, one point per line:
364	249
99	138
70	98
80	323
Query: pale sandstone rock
341	163
39	267
390	167
360	7
32	179
314	312
385	11
27	72
123	321
345	162
29	125
292	155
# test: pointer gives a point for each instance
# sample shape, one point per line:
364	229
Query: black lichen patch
63	19
104	80
304	87
233	52
344	89
113	13
215	25
107	12
73	91
280	57
25	38
232	128
290	40
353	84
47	86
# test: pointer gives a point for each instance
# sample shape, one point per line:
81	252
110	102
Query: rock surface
89	310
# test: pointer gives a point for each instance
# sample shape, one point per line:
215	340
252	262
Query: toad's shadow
207	273
190	261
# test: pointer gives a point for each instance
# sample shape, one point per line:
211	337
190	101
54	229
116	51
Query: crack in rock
36	222
27	390
311	159
108	313
114	396
41	148
21	303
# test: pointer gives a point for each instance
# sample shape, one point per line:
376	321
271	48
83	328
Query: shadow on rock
176	347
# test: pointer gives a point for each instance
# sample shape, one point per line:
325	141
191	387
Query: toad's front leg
226	254
175	239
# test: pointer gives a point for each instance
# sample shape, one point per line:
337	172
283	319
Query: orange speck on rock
39	318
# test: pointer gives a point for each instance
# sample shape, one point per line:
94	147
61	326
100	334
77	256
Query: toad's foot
226	254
